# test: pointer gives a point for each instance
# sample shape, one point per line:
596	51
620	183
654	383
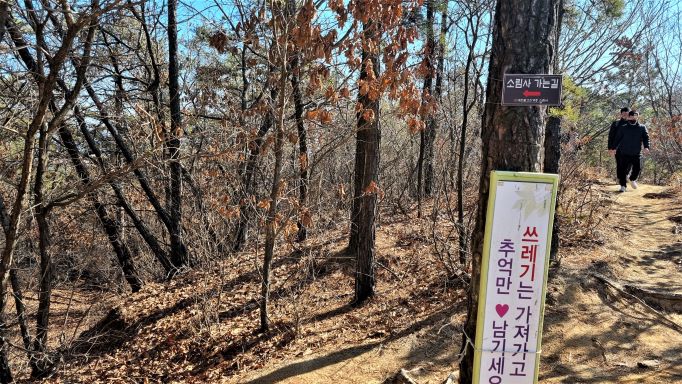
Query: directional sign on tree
531	90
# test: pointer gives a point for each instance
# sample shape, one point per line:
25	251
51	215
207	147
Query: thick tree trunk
178	255
512	137
366	175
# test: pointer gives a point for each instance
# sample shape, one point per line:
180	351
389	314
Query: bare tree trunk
425	155
45	86
16	288
142	229
21	311
4	217
302	143
4	11
162	214
11	236
512	137
366	176
111	227
254	148
438	87
40	361
429	133
178	254
466	109
271	223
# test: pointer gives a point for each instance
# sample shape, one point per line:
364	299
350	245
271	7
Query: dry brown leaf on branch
331	95
264	204
363	87
306	218
312	114
368	115
373	189
303	161
415	125
325	117
369	68
374	93
218	40
292	137
290	228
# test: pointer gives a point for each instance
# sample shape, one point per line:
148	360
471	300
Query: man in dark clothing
613	130
614	127
628	148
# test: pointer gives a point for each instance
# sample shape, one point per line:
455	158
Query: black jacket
629	139
613	131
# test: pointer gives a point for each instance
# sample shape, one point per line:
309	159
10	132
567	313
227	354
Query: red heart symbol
501	309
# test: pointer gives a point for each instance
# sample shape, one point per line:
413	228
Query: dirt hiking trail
594	332
598	333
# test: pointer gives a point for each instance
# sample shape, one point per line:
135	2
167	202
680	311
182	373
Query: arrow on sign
528	93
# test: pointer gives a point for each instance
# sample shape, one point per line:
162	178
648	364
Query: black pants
625	163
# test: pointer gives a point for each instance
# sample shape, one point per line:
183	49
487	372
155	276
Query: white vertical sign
513	277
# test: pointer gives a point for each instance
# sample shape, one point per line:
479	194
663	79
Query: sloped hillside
202	327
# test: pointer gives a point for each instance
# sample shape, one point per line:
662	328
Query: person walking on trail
613	130
628	144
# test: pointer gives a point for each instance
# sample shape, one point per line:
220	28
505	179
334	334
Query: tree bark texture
512	137
40	361
429	133
552	165
302	143
366	173
178	255
271	224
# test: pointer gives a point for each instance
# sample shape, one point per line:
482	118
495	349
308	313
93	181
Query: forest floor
202	327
